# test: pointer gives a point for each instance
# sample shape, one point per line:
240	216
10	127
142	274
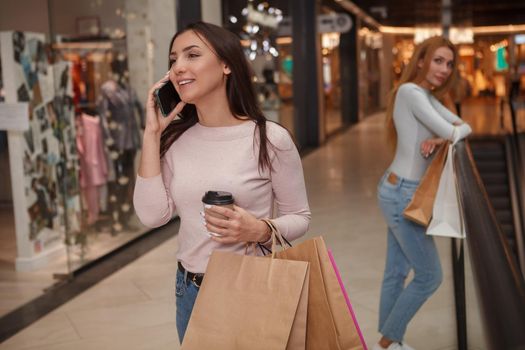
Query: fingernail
207	206
202	213
203	222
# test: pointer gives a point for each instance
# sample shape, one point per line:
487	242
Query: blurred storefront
266	30
370	49
84	69
78	78
489	61
331	81
259	26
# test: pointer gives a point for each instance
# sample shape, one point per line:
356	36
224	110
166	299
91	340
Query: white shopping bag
447	214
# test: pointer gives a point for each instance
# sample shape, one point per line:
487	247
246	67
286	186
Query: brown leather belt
195	278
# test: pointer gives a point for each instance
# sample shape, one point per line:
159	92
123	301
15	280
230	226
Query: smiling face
439	69
195	69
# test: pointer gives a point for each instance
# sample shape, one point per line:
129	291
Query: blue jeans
186	293
408	247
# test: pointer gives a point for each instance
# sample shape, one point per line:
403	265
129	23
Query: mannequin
117	106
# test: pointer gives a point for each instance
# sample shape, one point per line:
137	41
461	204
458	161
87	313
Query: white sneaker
405	346
393	346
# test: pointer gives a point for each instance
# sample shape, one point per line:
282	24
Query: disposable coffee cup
219	198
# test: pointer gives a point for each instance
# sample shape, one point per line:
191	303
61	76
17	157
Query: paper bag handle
274	232
276	235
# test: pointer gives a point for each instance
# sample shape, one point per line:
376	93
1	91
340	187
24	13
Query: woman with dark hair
417	122
220	141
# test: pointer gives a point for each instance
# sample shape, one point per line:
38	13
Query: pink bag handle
347	299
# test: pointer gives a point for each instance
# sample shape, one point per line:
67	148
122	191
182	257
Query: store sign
422	34
461	35
331	23
14	116
456	35
334	23
501	59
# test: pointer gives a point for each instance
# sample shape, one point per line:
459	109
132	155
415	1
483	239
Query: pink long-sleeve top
224	159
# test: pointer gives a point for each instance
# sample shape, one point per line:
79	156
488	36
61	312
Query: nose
445	68
178	67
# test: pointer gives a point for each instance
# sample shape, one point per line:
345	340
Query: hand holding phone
166	98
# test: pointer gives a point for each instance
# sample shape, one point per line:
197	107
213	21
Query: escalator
489	288
489	275
495	168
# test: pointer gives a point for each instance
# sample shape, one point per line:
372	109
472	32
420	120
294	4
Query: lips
182	82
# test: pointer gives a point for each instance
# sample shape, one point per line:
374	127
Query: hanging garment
93	163
117	105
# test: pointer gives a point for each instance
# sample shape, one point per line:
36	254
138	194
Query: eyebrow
439	56
187	48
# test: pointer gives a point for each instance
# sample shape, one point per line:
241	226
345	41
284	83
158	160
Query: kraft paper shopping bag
420	207
347	299
248	302
330	325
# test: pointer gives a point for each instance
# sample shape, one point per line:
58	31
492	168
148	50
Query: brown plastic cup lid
217	198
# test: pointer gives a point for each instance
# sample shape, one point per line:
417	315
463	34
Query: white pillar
150	25
211	11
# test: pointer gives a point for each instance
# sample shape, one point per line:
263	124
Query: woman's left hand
239	225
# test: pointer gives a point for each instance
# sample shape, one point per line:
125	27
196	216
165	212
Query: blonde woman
417	122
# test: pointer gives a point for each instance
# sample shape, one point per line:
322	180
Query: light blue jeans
408	247
186	293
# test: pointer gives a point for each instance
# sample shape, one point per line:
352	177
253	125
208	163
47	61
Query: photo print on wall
50	171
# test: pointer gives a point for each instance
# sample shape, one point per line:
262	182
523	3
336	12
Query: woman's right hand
428	146
155	121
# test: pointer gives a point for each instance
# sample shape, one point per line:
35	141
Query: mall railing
499	284
515	146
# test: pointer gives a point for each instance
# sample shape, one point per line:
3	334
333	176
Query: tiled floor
134	308
17	288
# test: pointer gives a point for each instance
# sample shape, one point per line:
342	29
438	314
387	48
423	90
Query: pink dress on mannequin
93	163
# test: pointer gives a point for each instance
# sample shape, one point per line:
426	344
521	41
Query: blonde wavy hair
413	73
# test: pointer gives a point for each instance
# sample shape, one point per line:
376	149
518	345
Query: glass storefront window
370	45
108	92
331	82
84	75
285	83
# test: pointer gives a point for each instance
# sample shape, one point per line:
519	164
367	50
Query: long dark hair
239	89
